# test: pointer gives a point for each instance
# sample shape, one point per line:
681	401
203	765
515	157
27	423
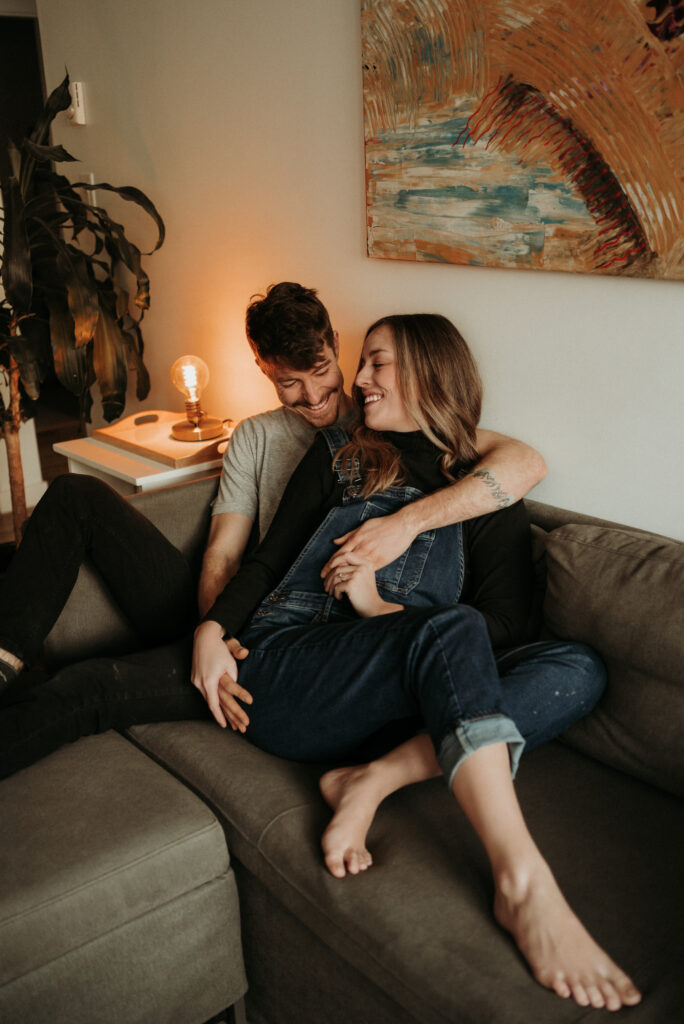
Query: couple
338	652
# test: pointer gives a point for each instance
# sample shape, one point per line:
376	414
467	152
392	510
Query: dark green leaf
72	365
133	195
16	260
58	100
135	362
28	355
46	153
109	361
81	293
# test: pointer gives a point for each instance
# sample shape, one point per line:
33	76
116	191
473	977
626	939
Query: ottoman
117	900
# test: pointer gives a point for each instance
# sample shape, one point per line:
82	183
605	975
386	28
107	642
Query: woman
332	663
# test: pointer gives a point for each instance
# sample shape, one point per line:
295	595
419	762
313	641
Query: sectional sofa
156	877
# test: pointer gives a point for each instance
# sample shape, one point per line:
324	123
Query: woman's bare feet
354	794
560	951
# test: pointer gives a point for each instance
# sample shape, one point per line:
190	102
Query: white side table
139	453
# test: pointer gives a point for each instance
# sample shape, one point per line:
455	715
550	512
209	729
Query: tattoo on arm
502	499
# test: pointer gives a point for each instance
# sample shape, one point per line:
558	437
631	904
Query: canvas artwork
540	134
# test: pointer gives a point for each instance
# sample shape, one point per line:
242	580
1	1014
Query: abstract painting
540	134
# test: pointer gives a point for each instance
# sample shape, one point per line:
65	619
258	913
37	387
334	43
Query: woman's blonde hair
440	385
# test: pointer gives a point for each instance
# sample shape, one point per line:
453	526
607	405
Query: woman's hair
440	385
289	324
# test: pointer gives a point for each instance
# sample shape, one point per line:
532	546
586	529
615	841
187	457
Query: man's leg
95	695
80	518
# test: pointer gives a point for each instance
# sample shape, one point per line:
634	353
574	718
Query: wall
243	121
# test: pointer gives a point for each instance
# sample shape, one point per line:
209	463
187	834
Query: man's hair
440	385
289	324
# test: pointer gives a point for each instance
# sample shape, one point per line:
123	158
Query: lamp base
208	427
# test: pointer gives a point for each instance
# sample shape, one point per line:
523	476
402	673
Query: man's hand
214	673
355	577
377	541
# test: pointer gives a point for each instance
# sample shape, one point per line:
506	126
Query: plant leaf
109	362
134	338
17	279
28	354
46	153
72	365
81	293
58	100
133	195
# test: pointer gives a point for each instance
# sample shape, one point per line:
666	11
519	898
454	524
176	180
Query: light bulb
190	375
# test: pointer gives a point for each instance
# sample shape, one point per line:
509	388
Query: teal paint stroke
424	185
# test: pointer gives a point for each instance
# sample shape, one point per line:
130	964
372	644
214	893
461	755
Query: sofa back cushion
623	593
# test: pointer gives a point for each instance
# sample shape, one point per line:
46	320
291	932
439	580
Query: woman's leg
546	686
81	518
356	792
95	695
528	902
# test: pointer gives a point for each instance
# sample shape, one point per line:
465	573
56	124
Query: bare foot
354	794
560	951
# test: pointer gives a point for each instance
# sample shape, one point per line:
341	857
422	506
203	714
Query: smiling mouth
317	408
367	399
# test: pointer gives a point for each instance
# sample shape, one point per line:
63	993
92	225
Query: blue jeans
330	692
327	684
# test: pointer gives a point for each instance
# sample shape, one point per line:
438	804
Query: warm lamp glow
190	375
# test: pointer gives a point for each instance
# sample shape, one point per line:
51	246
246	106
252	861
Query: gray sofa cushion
418	925
98	836
623	593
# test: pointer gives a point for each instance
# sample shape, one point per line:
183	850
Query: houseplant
66	268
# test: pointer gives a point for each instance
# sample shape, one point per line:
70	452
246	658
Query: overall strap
335	438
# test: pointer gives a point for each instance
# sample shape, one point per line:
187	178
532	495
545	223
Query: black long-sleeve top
498	577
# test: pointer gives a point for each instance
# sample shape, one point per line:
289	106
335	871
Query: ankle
11	660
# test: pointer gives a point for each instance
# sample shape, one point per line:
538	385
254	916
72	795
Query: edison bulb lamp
190	375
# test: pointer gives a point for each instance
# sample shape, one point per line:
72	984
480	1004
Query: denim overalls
326	682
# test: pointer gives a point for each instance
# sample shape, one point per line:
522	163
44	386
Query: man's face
316	394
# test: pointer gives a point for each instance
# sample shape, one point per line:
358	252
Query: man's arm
228	536
506	471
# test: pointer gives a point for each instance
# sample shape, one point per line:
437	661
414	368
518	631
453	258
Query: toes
580	995
560	987
595	996
351	859
627	991
335	865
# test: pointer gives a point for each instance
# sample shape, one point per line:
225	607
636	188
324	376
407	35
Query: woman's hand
214	673
355	576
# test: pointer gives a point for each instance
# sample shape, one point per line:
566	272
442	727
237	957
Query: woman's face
377	379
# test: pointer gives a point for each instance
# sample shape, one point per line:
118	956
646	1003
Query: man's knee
74	489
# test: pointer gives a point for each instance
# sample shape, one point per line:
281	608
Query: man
290	333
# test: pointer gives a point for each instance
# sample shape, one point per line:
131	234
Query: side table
139	453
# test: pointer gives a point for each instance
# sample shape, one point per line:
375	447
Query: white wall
243	121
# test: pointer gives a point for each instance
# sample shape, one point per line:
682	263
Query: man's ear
336	344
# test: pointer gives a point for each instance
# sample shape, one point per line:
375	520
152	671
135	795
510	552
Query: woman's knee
590	671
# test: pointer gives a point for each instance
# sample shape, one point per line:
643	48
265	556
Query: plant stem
10	431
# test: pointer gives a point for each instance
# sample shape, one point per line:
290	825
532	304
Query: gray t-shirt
263	453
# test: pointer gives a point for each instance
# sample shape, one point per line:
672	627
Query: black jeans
82	519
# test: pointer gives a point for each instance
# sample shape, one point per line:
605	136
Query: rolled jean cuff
471	735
